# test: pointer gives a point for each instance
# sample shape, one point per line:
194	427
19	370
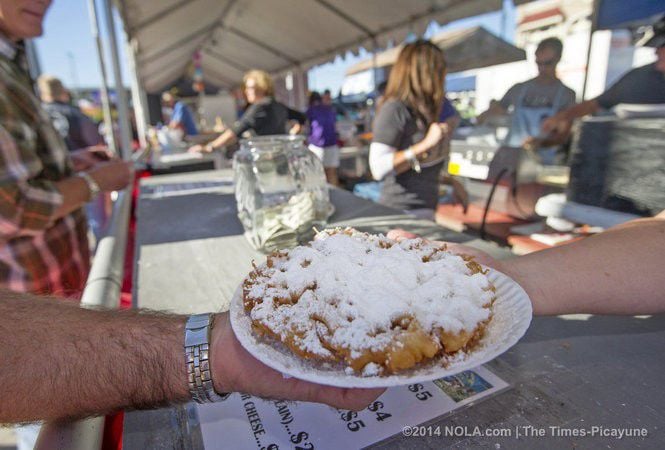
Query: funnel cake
376	305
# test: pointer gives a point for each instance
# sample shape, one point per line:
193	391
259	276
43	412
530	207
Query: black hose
523	214
489	201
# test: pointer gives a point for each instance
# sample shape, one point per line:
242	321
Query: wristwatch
197	358
93	187
410	156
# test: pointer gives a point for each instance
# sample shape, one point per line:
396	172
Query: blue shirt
447	110
183	116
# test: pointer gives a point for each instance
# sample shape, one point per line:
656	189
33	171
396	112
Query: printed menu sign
247	422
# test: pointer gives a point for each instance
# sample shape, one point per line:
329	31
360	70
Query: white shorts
329	155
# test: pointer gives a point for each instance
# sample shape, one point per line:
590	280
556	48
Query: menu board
247	422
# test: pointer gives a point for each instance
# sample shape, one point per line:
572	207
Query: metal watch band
197	359
93	187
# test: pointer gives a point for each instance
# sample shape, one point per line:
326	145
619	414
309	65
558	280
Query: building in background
612	54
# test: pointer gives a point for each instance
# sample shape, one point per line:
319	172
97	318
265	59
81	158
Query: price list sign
247	422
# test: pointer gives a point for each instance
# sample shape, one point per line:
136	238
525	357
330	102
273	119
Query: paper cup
511	318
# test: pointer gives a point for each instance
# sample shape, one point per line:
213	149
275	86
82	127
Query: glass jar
281	191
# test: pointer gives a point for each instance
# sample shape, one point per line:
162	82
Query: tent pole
104	90
123	106
594	20
375	50
138	95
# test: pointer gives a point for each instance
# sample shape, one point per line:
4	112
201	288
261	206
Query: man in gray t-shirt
533	101
642	85
536	94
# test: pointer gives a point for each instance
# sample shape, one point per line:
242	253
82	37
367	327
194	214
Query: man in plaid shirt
43	230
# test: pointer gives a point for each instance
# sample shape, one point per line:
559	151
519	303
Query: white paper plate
511	319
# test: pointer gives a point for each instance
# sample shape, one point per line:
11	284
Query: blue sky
67	49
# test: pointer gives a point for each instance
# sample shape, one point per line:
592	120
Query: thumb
398	234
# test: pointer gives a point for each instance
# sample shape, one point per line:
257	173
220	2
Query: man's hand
112	175
295	129
198	148
557	125
88	157
532	143
235	370
459	249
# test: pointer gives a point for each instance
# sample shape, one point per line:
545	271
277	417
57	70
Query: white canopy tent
274	35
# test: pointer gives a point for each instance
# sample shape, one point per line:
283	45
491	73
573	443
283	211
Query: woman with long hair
263	116
406	151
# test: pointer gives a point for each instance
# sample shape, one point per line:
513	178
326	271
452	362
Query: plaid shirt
38	253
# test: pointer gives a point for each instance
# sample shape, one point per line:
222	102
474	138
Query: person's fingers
357	399
459	249
398	234
343	398
553	127
562	127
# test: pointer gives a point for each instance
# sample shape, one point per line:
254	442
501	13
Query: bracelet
93	187
410	156
197	358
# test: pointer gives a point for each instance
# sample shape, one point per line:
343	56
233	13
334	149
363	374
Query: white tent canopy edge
274	35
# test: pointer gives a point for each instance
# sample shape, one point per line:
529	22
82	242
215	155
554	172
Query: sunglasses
549	62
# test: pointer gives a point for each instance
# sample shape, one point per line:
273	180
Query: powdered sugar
511	315
372	370
352	288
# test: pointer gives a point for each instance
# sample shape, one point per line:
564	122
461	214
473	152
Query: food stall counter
572	372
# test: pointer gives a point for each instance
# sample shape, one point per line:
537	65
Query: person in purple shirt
322	135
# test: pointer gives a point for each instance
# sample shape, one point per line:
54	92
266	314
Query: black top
643	84
267	116
396	125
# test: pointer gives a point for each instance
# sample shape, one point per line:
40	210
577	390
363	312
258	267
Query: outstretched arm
616	272
495	109
558	126
226	138
60	362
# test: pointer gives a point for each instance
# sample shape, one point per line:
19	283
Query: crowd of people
63	362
